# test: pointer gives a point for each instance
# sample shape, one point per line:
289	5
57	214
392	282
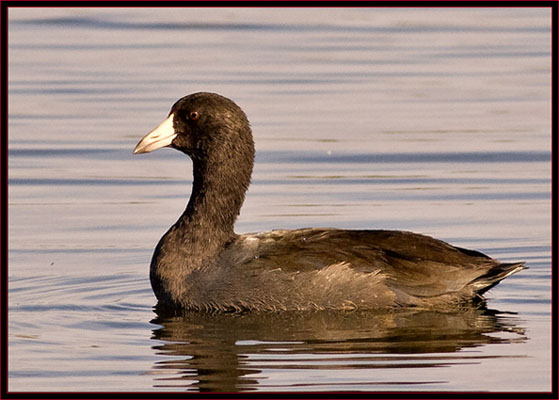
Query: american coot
202	264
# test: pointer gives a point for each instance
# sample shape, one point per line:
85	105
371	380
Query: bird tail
495	275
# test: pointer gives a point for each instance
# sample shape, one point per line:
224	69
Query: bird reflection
227	352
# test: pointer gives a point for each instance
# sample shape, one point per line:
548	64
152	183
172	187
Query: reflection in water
227	352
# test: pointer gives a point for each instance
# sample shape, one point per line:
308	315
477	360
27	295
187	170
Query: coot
201	264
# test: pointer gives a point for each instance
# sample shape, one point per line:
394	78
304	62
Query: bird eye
193	115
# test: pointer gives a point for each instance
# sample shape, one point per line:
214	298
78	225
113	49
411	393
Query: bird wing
415	264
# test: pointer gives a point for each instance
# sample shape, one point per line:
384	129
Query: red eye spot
194	115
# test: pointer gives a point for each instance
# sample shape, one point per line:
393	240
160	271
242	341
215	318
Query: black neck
218	192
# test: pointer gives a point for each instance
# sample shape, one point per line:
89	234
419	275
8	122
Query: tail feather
495	275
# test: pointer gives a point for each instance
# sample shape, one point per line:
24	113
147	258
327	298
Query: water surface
430	120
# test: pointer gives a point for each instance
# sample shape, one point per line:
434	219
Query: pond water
431	120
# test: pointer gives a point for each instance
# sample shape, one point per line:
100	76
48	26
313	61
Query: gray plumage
201	264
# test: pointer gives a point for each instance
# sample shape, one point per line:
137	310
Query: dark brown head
203	126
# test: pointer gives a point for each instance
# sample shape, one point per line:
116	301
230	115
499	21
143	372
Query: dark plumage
201	264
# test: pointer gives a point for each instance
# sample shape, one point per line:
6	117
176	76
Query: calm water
430	120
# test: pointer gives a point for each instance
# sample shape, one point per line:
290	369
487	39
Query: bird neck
218	193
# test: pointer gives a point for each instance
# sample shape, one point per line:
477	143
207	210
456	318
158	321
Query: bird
201	265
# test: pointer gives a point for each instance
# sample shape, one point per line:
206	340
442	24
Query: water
430	120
